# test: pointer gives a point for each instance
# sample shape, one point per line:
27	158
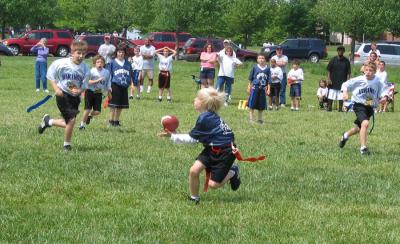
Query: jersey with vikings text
69	75
211	130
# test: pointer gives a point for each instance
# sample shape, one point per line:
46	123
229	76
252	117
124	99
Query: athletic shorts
334	94
68	106
207	73
149	73
295	90
136	77
257	99
119	97
164	79
362	113
93	100
275	90
218	164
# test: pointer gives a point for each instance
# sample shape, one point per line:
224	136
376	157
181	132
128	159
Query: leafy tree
297	19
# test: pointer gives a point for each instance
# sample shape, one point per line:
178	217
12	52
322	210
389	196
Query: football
170	123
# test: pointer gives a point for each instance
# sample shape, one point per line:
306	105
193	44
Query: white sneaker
149	89
283	105
47	91
37	90
141	89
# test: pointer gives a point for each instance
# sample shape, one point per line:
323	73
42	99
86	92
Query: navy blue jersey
121	75
211	130
260	77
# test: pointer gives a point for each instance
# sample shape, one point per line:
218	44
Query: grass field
128	185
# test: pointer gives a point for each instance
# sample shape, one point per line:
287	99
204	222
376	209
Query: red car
94	42
168	39
58	42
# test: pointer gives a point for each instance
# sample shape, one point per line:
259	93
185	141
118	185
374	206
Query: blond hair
371	65
211	99
79	46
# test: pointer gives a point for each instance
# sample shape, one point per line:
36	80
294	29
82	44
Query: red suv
194	46
58	42
94	42
162	39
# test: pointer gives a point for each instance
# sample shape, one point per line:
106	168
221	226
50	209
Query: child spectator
41	64
207	66
216	136
374	49
382	75
226	71
67	76
259	78
296	77
165	67
99	82
121	78
274	87
366	91
322	94
137	66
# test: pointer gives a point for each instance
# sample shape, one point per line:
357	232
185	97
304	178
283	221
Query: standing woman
207	66
42	52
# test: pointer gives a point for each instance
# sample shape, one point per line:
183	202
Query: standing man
281	61
147	51
339	71
107	50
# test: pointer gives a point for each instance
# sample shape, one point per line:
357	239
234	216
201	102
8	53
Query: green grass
128	185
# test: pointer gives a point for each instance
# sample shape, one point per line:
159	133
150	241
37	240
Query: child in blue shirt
259	78
217	156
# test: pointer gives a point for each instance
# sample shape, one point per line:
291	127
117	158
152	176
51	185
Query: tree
297	18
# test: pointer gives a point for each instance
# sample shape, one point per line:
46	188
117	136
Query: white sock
141	88
67	143
50	122
83	123
195	197
168	97
345	135
363	147
159	97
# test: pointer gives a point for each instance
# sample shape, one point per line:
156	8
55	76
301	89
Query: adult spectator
208	58
147	51
42	52
282	61
107	50
227	43
339	71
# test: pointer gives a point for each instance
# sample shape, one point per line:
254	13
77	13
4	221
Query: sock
168	97
51	122
82	123
346	136
363	147
67	143
195	198
159	97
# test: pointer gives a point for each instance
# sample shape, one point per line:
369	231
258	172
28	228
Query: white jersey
365	91
296	75
382	76
283	58
227	65
322	92
165	62
276	74
151	50
107	52
137	63
69	75
104	85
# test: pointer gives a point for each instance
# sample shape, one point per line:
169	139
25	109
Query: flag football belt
238	156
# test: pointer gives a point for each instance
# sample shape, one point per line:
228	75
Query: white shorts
334	94
147	72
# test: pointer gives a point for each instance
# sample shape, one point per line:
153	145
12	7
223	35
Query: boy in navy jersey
68	76
217	156
259	78
366	92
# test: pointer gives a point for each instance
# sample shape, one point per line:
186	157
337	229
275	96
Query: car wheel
314	58
62	51
14	49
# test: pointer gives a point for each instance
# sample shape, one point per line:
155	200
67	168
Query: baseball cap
279	47
226	40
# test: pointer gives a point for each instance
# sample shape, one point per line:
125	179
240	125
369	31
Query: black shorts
362	112
257	99
207	73
93	100
275	89
164	79
119	97
68	106
218	164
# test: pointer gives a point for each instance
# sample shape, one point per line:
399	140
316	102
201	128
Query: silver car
390	53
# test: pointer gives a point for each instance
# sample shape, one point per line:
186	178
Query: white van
390	53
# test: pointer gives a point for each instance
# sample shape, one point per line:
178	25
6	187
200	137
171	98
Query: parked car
94	42
4	50
194	46
312	49
390	53
165	39
58	42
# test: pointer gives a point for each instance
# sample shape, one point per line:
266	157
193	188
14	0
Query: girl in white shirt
295	79
165	67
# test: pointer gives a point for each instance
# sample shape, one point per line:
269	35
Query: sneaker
277	108
194	201
342	141
364	151
82	127
235	180
88	119
297	109
67	148
270	107
149	89
130	97
291	108
46	91
37	90
169	100
44	124
283	105
159	99
116	123
260	121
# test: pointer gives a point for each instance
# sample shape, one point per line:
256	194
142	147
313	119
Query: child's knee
95	112
213	184
194	171
365	123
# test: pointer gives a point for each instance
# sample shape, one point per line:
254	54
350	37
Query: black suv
312	49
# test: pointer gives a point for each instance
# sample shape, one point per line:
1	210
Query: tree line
250	22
